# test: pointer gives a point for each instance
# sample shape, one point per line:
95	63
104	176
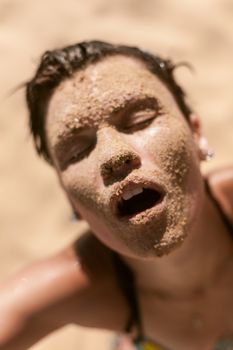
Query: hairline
149	61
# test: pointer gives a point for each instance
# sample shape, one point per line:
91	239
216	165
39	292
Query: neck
194	267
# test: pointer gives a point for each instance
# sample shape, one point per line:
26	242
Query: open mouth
138	200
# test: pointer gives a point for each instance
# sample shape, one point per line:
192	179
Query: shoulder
221	183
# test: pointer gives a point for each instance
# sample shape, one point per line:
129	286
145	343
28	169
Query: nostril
106	170
131	159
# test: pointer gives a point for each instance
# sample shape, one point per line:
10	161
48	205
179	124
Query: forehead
94	92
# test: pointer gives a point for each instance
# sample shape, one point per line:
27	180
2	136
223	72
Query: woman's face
126	156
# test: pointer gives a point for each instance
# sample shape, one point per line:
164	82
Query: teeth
129	194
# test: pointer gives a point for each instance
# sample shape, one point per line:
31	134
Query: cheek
79	181
172	149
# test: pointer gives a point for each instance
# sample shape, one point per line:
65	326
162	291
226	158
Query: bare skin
181	255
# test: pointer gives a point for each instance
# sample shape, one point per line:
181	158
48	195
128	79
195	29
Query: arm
76	286
35	302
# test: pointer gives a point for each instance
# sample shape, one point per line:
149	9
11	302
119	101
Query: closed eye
75	148
80	154
139	120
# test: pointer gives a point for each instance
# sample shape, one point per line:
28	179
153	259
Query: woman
157	263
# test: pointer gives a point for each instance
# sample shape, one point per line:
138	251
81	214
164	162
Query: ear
195	125
204	150
76	214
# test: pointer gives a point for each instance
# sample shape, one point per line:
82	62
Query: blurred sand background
34	215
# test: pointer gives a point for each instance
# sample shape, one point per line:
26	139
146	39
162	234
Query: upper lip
131	184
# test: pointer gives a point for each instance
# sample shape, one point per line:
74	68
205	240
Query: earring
205	152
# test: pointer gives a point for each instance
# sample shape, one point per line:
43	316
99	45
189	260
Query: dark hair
59	64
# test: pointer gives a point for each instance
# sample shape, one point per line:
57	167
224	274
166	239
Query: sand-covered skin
160	152
34	213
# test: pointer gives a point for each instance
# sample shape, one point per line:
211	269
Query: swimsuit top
126	282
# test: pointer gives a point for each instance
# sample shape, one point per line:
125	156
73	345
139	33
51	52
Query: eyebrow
130	105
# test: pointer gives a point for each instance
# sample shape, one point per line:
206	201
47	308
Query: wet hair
60	64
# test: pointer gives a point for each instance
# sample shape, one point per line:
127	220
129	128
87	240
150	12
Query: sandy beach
35	218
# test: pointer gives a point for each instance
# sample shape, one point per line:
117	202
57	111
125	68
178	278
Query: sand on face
35	217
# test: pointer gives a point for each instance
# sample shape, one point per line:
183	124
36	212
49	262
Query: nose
117	158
